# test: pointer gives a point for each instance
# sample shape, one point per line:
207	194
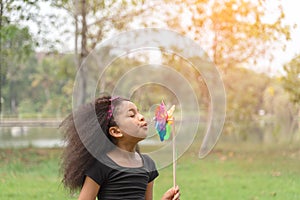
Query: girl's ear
115	132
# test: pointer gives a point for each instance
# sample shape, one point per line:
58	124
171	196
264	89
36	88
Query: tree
233	31
104	18
16	42
291	80
235	34
244	91
52	84
16	46
291	83
278	115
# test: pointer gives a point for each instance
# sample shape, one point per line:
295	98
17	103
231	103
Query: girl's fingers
177	193
176	188
176	197
172	194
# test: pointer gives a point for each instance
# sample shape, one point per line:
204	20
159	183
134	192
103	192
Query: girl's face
130	121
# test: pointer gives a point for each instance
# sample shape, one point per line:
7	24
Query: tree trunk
1	16
13	98
298	128
82	82
76	40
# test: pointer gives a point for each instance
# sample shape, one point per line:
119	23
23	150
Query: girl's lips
144	125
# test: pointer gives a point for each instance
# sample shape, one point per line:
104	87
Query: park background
254	44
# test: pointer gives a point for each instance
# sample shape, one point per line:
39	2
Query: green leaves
291	81
233	32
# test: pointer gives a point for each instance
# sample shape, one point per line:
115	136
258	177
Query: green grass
31	174
227	173
230	174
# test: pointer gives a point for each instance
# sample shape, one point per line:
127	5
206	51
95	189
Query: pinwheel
165	125
163	121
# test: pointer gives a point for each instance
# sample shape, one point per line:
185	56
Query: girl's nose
141	117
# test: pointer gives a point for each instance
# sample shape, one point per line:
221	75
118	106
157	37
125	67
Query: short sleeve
150	167
98	172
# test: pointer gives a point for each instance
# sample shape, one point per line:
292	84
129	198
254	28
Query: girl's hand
172	194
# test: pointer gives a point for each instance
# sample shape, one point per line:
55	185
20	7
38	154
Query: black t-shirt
117	182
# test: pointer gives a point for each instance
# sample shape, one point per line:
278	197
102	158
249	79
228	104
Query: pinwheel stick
174	152
165	126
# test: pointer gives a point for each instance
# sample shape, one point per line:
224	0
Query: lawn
227	173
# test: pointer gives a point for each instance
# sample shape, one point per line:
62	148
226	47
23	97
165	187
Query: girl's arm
89	190
149	191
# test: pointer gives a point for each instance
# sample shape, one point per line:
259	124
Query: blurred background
255	44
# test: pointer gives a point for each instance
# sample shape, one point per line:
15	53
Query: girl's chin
142	136
142	133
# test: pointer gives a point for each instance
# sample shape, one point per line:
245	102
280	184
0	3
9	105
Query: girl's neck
126	147
125	158
125	151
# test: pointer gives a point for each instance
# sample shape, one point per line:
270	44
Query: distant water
30	137
46	137
39	137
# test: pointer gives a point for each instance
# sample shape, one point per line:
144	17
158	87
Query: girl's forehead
126	106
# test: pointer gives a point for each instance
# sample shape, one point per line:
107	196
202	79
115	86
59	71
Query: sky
291	8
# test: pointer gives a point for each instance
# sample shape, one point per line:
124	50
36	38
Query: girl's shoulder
99	171
147	158
101	163
148	162
150	167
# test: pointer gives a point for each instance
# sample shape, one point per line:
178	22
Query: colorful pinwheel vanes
163	121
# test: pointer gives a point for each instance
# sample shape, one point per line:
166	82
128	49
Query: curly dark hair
86	133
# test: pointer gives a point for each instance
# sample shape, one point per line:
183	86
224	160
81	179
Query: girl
102	156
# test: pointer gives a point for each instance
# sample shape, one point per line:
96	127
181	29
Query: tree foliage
49	85
291	80
16	47
233	31
93	20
